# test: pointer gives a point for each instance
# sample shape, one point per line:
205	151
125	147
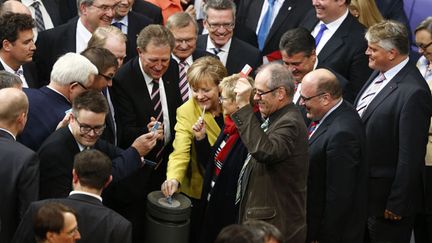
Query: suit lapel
384	93
283	14
365	86
253	18
337	40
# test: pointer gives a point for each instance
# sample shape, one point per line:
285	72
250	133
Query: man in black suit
90	175
219	20
72	36
340	42
72	74
17	47
148	9
288	15
185	30
49	10
19	166
395	105
337	181
86	124
142	95
130	23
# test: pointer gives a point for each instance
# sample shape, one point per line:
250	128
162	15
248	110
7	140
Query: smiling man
141	95
219	20
17	47
272	184
72	36
85	127
184	29
395	105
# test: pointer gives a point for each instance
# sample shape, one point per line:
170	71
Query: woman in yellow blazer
183	171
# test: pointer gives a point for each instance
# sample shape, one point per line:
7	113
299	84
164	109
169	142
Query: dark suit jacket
289	16
173	73
275	181
51	44
30	74
239	54
133	111
57	155
148	9
337	181
136	23
46	109
19	176
397	124
53	9
68	9
96	223
345	52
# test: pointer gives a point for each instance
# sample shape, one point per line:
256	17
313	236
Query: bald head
323	81
13	106
14	7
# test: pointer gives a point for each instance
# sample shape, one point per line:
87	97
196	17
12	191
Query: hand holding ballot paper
199	127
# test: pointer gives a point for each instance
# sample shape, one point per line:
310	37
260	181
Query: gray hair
72	67
181	20
426	24
219	5
280	76
389	35
85	2
9	80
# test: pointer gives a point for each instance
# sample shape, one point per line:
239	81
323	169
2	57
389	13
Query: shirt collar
83	30
188	60
8	133
86	193
124	20
335	24
224	48
389	74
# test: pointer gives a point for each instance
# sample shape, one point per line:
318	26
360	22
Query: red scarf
232	132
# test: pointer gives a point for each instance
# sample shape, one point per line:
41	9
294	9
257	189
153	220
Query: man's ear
108	181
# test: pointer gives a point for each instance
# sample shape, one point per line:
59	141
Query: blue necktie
265	25
323	28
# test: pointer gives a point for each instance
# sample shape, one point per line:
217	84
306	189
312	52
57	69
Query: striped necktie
183	84
369	94
155	98
40	26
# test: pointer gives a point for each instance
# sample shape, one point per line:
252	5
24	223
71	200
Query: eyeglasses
305	99
108	78
260	94
85	129
188	42
221	99
80	84
105	8
424	47
227	26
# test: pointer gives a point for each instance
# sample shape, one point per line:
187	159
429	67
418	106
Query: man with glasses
219	20
107	65
185	30
72	36
337	180
272	183
71	75
86	124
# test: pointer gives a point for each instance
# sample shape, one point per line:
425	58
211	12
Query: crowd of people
282	121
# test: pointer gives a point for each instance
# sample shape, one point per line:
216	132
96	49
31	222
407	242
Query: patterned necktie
155	97
265	24
216	50
240	186
40	26
183	84
312	127
318	37
369	94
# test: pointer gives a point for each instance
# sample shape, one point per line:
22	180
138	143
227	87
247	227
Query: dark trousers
423	221
387	231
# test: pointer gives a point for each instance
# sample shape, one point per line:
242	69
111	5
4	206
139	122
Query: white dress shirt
19	72
46	17
223	54
125	23
163	99
331	29
82	37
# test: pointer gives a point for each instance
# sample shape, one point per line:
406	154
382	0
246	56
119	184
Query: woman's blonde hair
206	69
368	13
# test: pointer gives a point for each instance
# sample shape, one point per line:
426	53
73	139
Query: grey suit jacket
276	188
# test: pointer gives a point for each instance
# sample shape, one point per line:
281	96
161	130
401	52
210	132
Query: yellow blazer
182	163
